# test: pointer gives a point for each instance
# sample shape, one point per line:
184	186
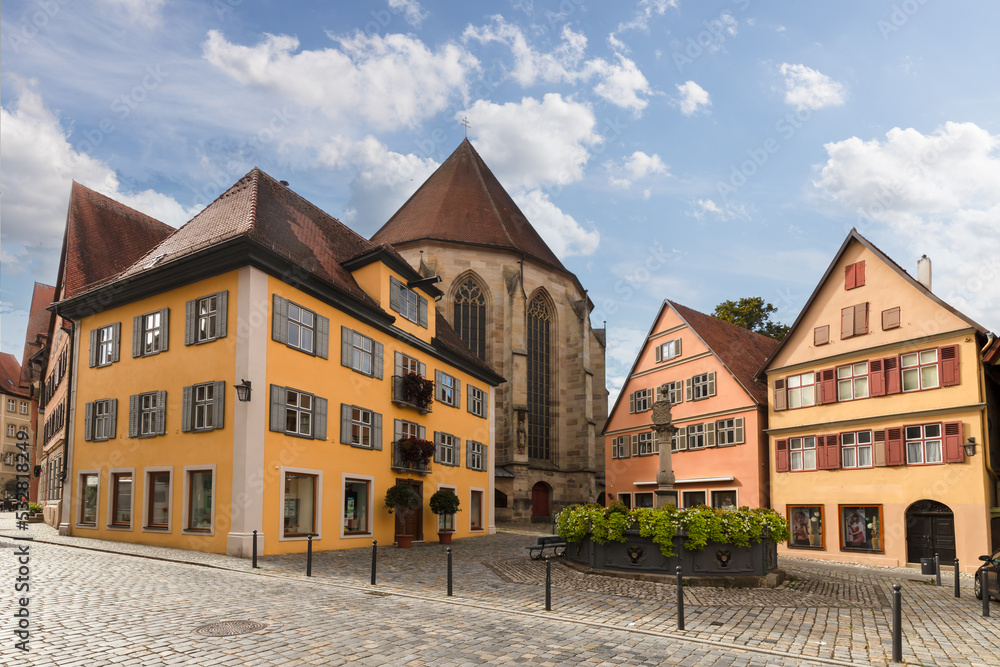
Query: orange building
719	453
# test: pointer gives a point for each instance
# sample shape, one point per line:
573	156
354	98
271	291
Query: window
100	419
696	436
475	455
475	510
476	401
644	444
104	345
923	444
158	499
856	449
854	275
204	406
24	407
121	499
920	370
89	483
356	510
802	453
724	499
447	450
8	459
669	350
890	318
10	430
701	386
678	441
626	499
299	505
300	328
146	414
675	392
407	303
693	498
360	427
360	353
802	390
854	320
470	316
729	431
619	447
205	318
11	405
852	381
448	389
199	499
297	413
640	401
150	333
644	499
22	433
406	430
539	380
821	335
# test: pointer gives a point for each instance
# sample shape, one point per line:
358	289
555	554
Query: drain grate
229	628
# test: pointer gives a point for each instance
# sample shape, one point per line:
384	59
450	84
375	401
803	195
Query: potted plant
401	498
417	390
444	502
415	452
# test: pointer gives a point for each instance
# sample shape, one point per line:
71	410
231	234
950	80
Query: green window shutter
422	311
394	288
346	340
223	314
161	413
377	431
164	330
88	421
322	337
190	321
113	418
319	418
279	320
94	342
278	404
219	404
187	409
346	412
137	336
133	416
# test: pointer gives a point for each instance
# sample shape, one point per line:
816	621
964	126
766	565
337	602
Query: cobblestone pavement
113	608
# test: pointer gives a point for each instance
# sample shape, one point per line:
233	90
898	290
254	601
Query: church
528	317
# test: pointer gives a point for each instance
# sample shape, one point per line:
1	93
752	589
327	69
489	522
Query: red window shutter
781	456
832	452
953	451
859	274
876	378
828	385
861	319
948	356
892	381
850	278
895	455
780	396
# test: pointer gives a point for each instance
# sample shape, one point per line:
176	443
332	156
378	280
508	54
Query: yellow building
329	332
877	393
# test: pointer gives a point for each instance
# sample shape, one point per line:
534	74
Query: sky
696	151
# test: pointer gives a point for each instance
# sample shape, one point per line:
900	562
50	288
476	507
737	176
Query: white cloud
388	82
647	10
806	88
729	210
635	167
936	194
530	143
560	231
411	10
622	84
145	13
693	97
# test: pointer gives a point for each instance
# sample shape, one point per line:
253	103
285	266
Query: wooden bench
554	542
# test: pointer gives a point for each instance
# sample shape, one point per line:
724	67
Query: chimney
924	271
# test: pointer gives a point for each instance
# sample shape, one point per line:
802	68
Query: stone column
664	427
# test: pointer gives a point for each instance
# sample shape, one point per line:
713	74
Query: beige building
33	364
519	309
15	418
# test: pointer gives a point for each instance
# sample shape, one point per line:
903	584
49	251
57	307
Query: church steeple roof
463	202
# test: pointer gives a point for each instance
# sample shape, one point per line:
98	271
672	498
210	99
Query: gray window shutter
457	458
190	321
377	431
847	322
397	368
187	409
861	318
279	320
319	418
377	352
116	341
710	434
422	369
631	402
322	337
635	444
682	438
113	418
345	424
346	340
278	403
422	311
137	336
437	446
711	383
468	455
422	432
658	353
223	313
486	462
94	342
397	429
458	393
687	389
164	330
468	397
394	300
739	430
133	416
656	442
678	347
438	385
219	404
161	413
88	421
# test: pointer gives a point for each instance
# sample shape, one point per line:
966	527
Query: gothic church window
470	316
539	379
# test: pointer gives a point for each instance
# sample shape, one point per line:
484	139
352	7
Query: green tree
754	314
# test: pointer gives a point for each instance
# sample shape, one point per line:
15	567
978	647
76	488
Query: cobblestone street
92	607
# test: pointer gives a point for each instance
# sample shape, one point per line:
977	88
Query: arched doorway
540	495
930	529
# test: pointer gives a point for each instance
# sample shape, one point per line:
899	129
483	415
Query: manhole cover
229	628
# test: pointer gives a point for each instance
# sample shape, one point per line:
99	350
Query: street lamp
970	447
243	391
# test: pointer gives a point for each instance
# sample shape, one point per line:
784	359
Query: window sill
119	527
304	537
204	532
88	526
156	529
355	536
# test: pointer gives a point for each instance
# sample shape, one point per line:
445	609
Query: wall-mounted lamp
970	447
423	281
243	391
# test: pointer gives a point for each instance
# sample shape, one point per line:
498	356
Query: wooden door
411	521
540	499
928	534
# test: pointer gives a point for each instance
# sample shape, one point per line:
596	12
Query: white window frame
102	422
696	432
358	423
147	414
476	401
299	411
186	528
111	500
318	501
625	497
923	441
147	489
685	492
620	447
79	500
913	362
475	449
11	431
483	508
11	405
152	333
299	324
205	319
344	479
675	392
852	381
854	449
722	427
446	391
802	450
646	398
670	350
447	445
711	500
700	386
636	495
448	521
646	444
359	354
801	390
199	406
24	407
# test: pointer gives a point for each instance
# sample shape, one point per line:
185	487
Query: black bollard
309	557
255	549
984	586
937	568
680	599
374	559
958	586
897	623
449	572
548	584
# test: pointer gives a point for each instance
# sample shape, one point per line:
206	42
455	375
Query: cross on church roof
465	122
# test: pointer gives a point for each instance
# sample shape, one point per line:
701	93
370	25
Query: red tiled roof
742	351
103	237
463	202
39	321
10	375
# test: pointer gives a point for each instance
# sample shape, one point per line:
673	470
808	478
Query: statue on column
663	425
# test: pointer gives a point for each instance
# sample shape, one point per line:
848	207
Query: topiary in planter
401	497
444	501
